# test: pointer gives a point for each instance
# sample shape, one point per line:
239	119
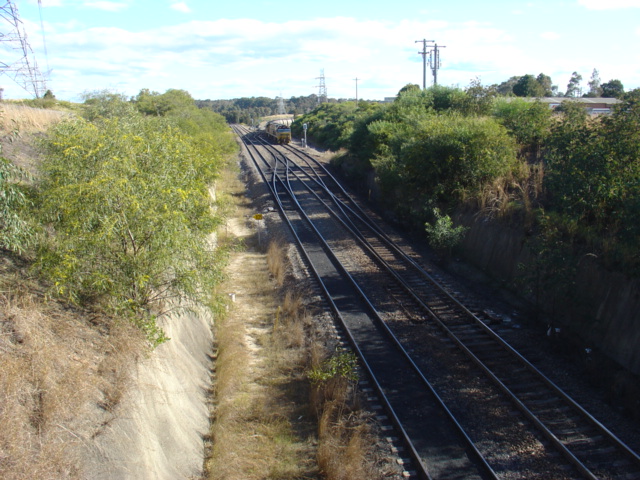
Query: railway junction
468	392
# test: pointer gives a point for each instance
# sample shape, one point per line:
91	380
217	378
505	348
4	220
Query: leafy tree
612	89
127	202
551	273
593	171
573	87
332	124
447	98
106	104
595	89
506	88
449	156
546	84
479	99
154	103
528	86
410	88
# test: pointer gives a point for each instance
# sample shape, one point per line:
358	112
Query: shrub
442	235
15	232
127	201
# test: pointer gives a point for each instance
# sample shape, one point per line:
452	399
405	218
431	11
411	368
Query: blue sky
230	49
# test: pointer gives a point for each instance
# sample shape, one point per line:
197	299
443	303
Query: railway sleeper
586	447
568	431
481	343
525	388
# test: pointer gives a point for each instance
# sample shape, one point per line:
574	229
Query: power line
44	40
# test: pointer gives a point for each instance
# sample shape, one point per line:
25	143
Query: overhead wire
44	42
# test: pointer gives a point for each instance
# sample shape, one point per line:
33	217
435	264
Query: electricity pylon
322	88
18	60
281	109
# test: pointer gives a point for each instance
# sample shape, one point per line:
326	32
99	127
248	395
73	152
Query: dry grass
56	367
20	127
267	420
253	435
343	451
16	119
506	196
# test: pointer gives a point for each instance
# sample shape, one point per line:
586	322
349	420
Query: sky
239	48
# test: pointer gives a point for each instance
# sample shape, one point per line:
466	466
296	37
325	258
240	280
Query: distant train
279	131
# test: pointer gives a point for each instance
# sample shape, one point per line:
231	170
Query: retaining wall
604	310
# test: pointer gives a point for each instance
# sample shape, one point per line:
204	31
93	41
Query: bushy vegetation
332	125
563	174
123	205
15	232
429	148
593	180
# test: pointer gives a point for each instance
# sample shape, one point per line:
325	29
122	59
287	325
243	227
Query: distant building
593	105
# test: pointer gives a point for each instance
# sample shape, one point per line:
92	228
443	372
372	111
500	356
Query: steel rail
468	441
557	390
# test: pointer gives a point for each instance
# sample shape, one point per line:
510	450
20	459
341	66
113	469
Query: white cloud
181	7
107	6
609	4
247	57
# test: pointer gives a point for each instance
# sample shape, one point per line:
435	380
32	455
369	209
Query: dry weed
50	378
276	262
343	445
293	306
256	376
232	357
122	350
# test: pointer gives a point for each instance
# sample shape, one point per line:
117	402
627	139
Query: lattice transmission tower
17	59
281	108
322	88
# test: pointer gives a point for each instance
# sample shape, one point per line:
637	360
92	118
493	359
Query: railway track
529	425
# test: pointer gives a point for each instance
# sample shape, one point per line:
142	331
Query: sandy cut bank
160	425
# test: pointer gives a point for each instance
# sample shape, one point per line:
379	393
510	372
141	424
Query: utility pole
434	61
322	88
23	68
424	54
356	79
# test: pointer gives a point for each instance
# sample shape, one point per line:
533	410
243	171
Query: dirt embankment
163	417
80	397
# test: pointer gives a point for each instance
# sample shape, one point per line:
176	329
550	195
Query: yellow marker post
258	217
